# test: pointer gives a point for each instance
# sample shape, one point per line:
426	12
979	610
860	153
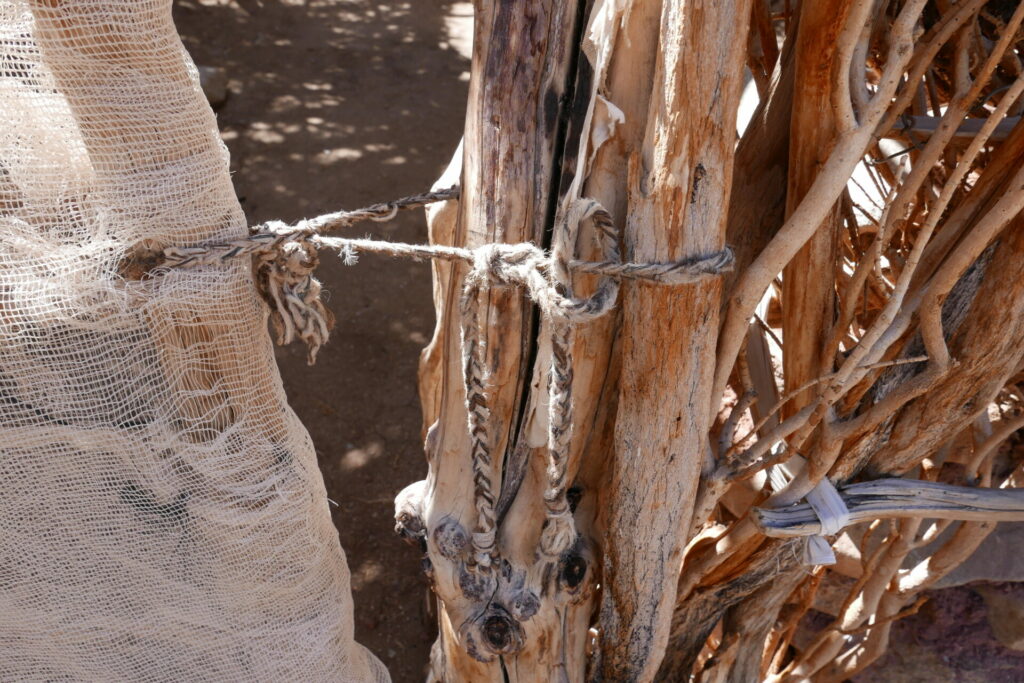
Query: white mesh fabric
162	516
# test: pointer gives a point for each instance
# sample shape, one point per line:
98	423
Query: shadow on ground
338	104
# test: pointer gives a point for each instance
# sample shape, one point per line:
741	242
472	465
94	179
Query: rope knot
284	273
483	548
507	264
528	266
285	257
558	533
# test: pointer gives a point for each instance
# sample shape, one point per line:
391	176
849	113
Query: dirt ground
340	104
343	103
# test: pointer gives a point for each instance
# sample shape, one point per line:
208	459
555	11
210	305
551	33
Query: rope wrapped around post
282	271
559	531
285	256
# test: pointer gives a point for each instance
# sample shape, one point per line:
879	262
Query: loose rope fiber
285	257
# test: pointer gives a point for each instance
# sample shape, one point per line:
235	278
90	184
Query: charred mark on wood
473	585
552	107
524	604
699	172
473	650
574	570
573	497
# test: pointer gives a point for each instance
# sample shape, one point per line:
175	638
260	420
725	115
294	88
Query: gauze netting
162	516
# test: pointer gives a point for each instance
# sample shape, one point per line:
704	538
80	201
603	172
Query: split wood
885	498
285	256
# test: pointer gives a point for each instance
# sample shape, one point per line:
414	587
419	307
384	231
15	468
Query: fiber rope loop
529	267
285	256
284	273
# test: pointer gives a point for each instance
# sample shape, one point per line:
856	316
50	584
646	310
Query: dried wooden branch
925	126
889	498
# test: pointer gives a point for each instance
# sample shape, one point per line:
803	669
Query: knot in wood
450	538
409	513
500	632
574	570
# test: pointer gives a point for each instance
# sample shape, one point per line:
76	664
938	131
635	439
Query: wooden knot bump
574	570
524	604
500	632
497	632
450	538
408	513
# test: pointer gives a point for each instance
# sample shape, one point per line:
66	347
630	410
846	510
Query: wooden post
522	66
678	183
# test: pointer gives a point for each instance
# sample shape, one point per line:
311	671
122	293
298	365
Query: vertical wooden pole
679	184
522	59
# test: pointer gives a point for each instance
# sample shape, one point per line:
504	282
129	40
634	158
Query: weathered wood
520	70
892	498
695	618
986	359
926	125
808	293
646	98
441	221
761	169
677	206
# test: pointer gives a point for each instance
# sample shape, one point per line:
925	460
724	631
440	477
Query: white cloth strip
828	506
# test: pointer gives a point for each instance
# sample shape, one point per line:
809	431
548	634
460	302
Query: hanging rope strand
559	531
477	414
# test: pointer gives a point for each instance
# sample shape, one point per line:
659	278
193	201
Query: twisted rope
285	257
